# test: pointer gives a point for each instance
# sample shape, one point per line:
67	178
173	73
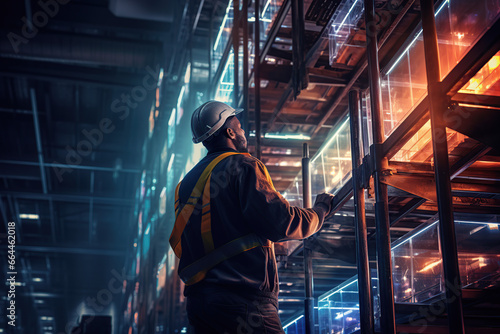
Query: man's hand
324	200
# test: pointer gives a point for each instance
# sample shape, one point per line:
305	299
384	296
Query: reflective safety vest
196	271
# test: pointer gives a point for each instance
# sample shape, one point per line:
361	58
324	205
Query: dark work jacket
243	201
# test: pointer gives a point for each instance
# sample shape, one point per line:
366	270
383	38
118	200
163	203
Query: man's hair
217	139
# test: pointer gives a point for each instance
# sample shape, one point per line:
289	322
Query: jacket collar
221	149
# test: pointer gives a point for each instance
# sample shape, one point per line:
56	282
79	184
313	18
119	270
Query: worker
228	216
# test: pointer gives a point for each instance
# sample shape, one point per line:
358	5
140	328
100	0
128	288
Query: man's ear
230	133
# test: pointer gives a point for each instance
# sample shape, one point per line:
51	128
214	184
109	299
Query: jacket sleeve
267	212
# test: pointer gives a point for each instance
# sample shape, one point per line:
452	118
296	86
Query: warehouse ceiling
77	81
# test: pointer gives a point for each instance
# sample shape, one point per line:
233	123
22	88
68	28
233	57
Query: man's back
228	215
242	201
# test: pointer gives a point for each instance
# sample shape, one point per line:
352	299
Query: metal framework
425	188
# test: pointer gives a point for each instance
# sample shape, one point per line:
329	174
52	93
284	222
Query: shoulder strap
183	215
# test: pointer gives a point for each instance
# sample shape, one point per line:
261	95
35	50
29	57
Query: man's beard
240	143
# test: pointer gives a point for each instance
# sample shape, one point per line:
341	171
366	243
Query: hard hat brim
210	132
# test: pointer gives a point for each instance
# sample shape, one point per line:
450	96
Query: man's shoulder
242	161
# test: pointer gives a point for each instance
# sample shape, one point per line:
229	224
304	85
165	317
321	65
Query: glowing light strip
341	315
172	118
345	17
230	61
284	136
265	8
222	25
404	241
338	289
291	322
471	222
181	95
252	19
414	40
171	162
413	236
341	127
28	216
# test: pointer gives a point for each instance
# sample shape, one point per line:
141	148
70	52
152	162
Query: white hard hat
210	117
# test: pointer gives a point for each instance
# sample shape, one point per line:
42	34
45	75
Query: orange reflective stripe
266	172
206	221
184	214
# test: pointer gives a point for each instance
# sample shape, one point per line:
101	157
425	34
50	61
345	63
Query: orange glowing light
485	78
494	62
482	261
429	266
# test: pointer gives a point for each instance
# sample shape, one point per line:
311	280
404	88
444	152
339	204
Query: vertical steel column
236	49
383	233
256	78
210	32
308	268
245	66
447	235
299	79
364	278
38	140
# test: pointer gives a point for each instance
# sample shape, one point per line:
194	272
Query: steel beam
236	51
477	99
363	267
455	170
411	124
278	22
437	102
58	165
330	108
72	74
70	198
246	125
471	122
308	261
408	208
383	233
68	250
482	51
256	68
299	70
424	186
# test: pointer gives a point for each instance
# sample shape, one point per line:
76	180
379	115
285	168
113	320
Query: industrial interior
393	106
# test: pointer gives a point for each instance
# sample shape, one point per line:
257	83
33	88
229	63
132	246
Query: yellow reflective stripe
184	215
206	220
197	270
196	278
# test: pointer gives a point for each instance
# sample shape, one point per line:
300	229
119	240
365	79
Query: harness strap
197	270
183	215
